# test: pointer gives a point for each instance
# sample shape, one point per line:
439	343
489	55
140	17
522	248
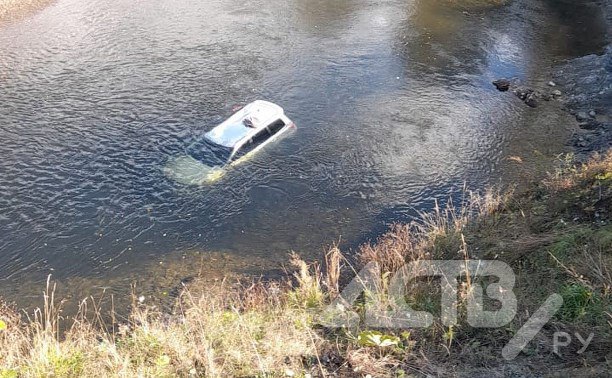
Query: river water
392	100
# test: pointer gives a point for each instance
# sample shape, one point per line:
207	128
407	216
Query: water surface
392	100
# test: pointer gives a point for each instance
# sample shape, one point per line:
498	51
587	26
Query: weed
578	301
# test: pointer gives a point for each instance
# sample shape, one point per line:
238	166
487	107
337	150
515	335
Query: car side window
276	126
252	144
260	138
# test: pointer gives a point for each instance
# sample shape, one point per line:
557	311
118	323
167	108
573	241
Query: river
392	99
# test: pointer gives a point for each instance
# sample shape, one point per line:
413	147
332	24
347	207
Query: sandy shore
10	9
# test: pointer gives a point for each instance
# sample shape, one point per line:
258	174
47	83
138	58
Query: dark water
392	100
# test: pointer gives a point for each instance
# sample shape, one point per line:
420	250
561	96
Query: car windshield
209	153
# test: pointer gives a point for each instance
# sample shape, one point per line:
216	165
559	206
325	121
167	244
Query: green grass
568	241
579	302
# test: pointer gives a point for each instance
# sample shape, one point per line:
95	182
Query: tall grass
227	330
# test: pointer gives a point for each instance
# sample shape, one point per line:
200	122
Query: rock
531	100
587	85
589	124
529	96
502	85
546	97
556	93
582	116
522	93
551	83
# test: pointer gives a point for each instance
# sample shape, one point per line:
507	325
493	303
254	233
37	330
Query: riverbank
10	9
556	237
587	83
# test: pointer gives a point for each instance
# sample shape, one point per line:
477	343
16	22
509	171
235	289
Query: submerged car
230	143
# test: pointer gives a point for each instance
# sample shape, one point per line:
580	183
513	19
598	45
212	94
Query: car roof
233	130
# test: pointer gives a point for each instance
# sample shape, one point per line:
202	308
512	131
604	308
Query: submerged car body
250	129
230	143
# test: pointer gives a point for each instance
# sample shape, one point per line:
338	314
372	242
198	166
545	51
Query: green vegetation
578	302
556	236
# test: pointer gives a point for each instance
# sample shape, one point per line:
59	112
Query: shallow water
392	100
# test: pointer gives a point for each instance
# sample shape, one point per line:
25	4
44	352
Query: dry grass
568	175
17	8
225	332
438	234
270	329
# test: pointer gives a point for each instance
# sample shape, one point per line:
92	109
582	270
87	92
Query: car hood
189	171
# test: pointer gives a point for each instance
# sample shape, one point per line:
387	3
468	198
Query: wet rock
556	93
582	116
587	80
531	100
522	93
589	124
587	84
586	141
502	85
528	95
551	83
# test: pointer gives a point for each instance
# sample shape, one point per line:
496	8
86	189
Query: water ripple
392	102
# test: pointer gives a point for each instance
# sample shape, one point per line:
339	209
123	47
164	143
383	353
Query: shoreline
14	9
294	326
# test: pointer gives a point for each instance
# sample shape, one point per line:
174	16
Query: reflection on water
392	98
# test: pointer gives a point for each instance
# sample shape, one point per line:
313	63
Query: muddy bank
13	9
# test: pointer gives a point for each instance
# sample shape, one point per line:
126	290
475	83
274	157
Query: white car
230	143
